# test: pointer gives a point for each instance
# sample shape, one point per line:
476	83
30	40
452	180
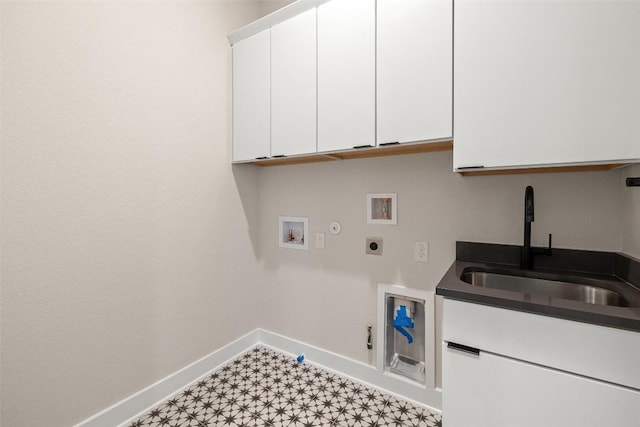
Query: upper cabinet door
293	85
251	97
415	70
346	74
546	82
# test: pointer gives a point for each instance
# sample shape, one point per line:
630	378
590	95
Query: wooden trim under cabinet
360	153
424	147
545	169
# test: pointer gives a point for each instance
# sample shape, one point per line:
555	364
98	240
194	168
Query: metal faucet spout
529	214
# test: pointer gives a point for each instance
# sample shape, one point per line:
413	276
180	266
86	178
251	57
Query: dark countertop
610	270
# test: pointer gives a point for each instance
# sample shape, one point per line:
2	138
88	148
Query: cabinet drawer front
493	391
608	354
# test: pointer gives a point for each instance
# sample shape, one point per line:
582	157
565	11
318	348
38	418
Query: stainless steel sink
552	287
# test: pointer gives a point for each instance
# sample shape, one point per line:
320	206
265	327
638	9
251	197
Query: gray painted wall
327	297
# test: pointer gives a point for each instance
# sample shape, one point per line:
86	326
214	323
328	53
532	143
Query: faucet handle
543	251
548	249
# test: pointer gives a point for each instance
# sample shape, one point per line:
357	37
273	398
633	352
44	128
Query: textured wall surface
128	240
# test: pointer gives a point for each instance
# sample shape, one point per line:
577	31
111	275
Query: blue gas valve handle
402	321
405	333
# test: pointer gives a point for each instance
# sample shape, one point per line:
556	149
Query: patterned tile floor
267	388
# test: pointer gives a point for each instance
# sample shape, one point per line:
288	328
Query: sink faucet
526	261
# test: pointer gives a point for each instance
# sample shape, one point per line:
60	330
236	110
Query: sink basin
552	286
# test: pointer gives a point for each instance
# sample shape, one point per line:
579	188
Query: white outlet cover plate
319	240
421	252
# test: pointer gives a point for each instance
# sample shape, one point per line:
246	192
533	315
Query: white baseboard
358	371
145	399
138	403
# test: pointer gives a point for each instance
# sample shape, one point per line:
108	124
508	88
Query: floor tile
268	388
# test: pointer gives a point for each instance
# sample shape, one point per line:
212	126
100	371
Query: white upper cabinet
293	85
415	70
321	76
346	74
251	97
546	82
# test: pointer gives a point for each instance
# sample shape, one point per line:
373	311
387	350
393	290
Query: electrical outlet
421	252
374	246
319	240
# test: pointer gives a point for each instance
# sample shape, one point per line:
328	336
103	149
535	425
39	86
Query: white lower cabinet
485	388
491	390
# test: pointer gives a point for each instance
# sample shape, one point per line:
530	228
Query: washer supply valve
401	321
